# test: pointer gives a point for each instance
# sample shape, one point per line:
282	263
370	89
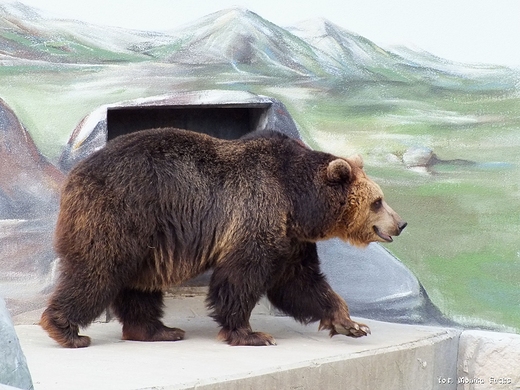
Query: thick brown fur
158	207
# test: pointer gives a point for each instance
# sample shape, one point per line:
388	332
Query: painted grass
462	240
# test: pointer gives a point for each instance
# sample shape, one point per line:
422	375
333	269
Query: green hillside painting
442	138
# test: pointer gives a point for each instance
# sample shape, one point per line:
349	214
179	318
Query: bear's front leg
140	313
338	321
232	296
302	291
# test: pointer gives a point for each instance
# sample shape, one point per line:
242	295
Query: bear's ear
356	160
339	171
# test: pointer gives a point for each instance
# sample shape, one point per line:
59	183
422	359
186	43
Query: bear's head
365	216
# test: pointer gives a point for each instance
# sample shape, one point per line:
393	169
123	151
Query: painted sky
483	31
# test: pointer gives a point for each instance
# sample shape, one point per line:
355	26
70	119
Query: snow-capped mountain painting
440	135
245	40
237	36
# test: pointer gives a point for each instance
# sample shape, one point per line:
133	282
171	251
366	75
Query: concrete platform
395	356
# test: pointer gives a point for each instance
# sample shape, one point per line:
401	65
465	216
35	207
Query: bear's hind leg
66	333
303	292
140	314
69	309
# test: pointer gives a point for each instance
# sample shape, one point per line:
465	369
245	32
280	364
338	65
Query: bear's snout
389	227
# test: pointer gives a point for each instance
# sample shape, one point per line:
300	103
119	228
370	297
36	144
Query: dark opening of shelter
226	122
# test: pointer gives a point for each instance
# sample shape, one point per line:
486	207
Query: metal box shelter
374	283
222	114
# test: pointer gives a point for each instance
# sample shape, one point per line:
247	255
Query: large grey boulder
13	366
375	284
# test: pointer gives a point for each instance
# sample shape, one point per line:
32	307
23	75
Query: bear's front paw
159	332
169	334
346	327
350	328
245	337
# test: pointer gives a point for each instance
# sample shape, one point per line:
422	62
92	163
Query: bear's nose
401	225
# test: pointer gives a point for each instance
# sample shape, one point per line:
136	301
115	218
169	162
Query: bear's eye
377	204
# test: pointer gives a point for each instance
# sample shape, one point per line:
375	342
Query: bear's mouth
383	236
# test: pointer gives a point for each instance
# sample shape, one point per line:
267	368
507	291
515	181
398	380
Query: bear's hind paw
75	342
79	342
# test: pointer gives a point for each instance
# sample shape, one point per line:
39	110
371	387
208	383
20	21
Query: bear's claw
352	330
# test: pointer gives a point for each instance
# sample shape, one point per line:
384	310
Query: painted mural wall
441	137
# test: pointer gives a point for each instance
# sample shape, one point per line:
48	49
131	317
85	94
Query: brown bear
157	207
